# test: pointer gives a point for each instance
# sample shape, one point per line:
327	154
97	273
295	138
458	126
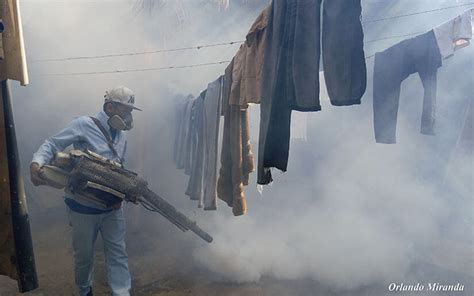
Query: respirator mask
123	99
124	123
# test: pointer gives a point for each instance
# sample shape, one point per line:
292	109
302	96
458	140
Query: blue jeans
111	226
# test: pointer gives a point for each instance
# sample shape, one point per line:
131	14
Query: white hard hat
122	95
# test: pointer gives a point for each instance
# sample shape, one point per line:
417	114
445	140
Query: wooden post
17	243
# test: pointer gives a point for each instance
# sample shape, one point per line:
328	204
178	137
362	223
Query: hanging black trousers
291	68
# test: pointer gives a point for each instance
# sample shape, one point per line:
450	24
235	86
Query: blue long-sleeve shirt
82	133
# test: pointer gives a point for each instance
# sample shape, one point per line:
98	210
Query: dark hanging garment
393	65
16	249
291	69
345	71
275	114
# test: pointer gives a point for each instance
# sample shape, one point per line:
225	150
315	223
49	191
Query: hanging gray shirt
212	115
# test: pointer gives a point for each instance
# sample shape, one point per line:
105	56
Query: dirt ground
157	269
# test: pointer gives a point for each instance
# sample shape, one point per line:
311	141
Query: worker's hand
35	170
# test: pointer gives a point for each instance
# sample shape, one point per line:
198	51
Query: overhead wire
214	45
234	42
195	65
135	70
135	53
415	13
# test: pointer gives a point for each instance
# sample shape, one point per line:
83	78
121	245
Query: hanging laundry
179	111
454	34
197	144
196	129
191	136
241	87
323	91
299	126
248	63
185	161
290	76
236	155
183	116
212	116
393	65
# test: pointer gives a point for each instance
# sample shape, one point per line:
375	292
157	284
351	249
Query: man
103	134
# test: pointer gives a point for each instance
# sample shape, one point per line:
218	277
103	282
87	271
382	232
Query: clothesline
234	42
136	53
137	70
175	49
416	13
197	65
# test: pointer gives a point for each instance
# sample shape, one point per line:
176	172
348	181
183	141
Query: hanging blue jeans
111	226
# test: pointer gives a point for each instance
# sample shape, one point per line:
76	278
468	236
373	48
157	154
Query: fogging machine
106	182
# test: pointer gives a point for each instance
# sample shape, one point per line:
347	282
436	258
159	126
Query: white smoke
353	227
347	214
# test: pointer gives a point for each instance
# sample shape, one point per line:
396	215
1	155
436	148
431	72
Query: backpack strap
107	136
